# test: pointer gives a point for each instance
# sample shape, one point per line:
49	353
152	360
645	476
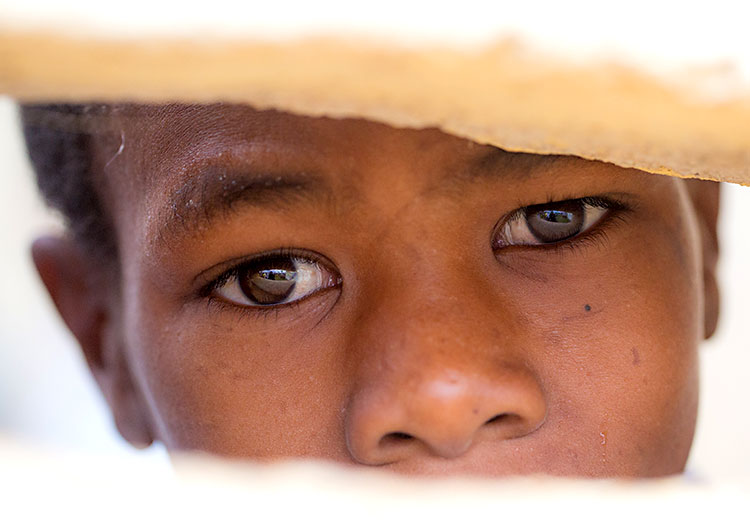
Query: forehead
161	142
173	135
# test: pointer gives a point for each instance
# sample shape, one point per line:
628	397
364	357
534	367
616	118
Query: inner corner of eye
502	235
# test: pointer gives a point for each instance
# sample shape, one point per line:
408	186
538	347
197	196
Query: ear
86	295
705	197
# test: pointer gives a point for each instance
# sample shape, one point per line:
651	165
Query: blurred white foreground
42	487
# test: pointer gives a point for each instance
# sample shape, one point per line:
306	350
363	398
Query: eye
275	279
551	222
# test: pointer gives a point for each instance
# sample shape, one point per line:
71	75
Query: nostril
394	438
498	418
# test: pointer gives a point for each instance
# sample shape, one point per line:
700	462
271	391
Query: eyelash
255	312
238	265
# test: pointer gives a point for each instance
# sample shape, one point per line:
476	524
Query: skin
432	352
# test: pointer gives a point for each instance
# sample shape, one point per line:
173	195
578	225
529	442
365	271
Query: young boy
261	284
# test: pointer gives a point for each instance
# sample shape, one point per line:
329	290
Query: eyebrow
512	165
212	191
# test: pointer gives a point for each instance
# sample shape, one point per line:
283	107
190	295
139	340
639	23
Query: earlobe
705	198
86	305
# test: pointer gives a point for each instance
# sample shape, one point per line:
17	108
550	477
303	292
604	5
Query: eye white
516	231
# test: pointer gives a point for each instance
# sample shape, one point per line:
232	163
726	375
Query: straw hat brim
503	94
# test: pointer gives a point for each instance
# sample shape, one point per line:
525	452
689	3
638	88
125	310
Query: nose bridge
438	369
431	314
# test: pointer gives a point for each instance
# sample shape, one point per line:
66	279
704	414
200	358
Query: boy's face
339	289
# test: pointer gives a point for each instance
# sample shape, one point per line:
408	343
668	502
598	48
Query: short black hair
60	141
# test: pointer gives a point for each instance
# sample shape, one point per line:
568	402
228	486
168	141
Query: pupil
556	221
269	281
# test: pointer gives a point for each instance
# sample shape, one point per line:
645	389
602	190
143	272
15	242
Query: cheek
239	387
616	336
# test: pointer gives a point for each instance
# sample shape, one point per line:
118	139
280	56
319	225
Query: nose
441	412
438	385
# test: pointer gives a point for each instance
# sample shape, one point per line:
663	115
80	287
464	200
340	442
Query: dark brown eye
555	222
273	280
550	222
268	281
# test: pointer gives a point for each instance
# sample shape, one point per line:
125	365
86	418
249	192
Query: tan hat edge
502	95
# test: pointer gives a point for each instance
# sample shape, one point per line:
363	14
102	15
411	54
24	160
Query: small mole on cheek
476	411
636	357
587	307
